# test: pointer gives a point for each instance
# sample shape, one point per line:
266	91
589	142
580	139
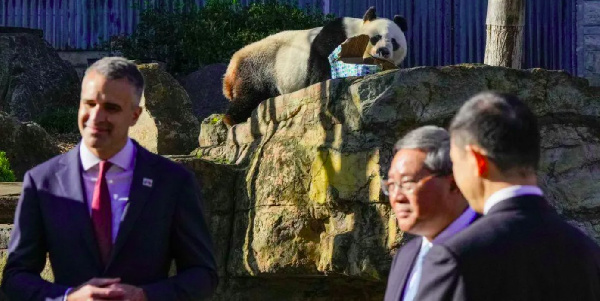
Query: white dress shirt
415	274
510	192
118	177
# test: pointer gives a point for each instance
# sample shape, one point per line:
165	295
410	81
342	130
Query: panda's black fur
291	60
330	37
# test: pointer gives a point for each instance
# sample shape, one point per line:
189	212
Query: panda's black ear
401	22
370	14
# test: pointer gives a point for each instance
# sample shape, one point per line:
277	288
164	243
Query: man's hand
97	289
131	293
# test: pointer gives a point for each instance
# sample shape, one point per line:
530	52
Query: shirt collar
124	158
510	192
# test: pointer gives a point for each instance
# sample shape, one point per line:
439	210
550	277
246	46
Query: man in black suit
426	202
520	249
110	215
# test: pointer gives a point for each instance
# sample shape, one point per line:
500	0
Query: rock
167	125
26	144
5	230
293	197
9	196
34	80
216	181
309	204
205	88
213	130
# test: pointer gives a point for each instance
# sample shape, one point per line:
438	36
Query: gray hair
117	68
435	141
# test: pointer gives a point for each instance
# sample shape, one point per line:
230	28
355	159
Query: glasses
408	187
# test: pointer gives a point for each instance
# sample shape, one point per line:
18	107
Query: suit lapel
142	184
406	262
70	179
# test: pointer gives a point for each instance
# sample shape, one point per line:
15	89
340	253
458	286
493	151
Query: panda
291	60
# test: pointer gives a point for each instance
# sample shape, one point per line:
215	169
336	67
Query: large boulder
167	125
205	88
34	80
26	144
307	200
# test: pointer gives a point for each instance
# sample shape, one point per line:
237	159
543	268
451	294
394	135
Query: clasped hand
106	289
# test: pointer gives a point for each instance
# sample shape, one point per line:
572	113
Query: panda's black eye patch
395	45
375	39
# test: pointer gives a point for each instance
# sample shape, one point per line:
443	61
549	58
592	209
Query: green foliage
60	120
6	174
191	37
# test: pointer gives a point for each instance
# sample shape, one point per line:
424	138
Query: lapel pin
147	182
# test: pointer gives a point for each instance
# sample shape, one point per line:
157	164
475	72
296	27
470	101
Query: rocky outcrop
205	88
293	198
167	125
26	144
33	79
309	219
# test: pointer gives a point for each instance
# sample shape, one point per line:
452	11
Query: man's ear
481	160
137	111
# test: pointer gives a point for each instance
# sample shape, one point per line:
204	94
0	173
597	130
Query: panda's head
387	36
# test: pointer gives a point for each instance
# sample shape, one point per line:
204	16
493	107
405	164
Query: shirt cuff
66	293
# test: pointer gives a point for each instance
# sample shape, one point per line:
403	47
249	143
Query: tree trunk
504	27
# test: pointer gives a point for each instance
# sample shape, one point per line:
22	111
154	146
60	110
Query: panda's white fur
387	30
291	60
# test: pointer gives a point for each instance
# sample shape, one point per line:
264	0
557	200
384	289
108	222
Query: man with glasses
520	249
426	202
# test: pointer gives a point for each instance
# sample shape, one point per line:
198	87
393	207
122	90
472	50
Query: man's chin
95	142
405	225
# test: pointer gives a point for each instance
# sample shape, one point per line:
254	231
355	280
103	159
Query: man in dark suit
110	215
426	202
520	249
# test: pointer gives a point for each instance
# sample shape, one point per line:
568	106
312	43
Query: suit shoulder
47	168
514	232
484	233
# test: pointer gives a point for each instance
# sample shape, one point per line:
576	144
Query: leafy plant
191	36
6	174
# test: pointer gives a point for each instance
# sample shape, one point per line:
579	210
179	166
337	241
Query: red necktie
102	213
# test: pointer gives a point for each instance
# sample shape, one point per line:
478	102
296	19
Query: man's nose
97	114
398	196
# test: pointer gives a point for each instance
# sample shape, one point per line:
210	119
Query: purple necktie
102	213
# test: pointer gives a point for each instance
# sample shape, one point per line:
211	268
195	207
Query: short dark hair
433	140
503	126
117	68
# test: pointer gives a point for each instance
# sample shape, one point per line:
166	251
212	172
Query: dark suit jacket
520	250
402	265
161	223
